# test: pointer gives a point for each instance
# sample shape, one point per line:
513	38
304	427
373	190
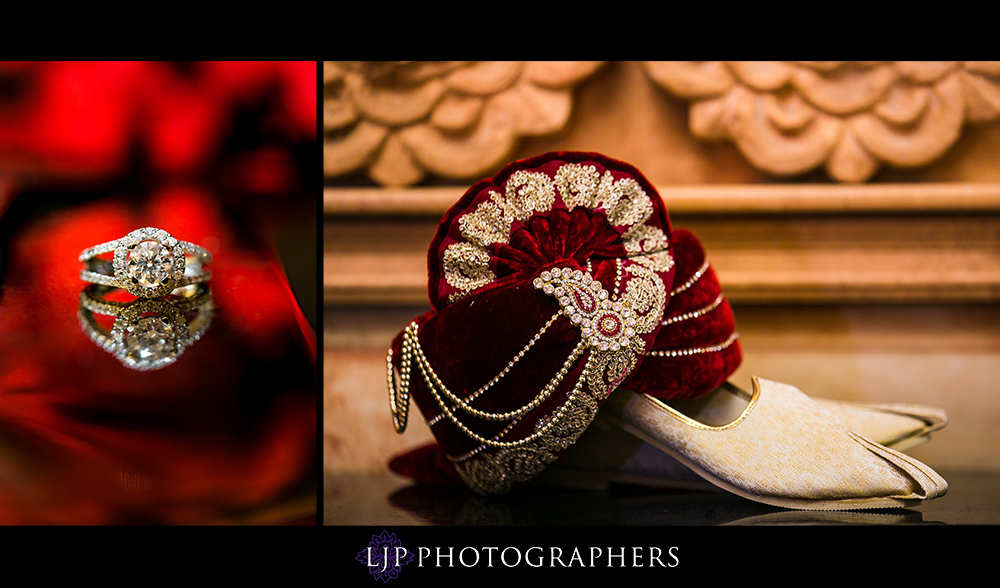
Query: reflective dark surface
374	499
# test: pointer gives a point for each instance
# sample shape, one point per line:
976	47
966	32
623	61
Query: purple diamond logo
385	556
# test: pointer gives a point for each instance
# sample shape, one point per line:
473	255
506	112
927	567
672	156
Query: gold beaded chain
399	398
696	350
558	415
695	313
691	282
410	342
539	432
435	383
465	402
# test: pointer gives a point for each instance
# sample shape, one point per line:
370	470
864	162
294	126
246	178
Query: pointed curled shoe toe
897	426
780	448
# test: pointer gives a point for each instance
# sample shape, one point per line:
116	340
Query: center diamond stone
151	339
149	263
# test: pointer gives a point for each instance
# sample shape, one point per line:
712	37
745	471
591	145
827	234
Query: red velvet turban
551	285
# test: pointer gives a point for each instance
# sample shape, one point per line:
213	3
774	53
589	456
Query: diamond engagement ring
148	263
147	334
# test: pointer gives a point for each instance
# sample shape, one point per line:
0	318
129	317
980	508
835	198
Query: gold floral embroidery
498	473
648	297
658	261
624	202
631	204
528	193
467	267
644	239
609	370
577	185
486	225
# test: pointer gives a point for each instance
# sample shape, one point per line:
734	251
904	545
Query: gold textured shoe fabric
781	449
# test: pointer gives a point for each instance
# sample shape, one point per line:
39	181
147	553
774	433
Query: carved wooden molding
708	200
936	243
788	117
399	121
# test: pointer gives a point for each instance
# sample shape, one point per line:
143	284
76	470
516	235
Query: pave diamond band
146	334
148	263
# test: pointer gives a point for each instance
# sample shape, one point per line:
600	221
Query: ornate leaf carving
851	117
401	120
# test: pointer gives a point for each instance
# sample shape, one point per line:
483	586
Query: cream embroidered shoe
605	453
777	447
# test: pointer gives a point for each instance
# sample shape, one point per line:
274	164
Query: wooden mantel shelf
713	199
773	243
